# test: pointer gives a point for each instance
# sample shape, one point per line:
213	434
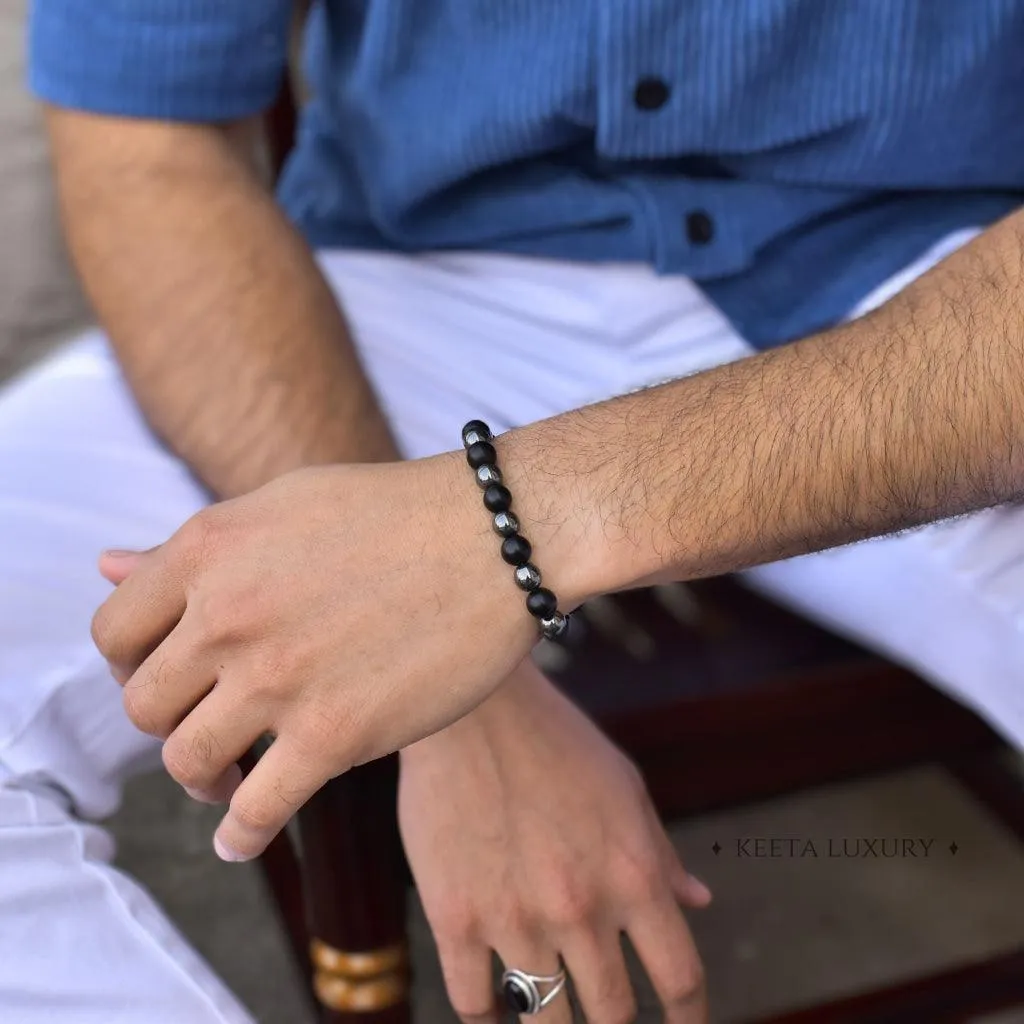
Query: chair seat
708	638
722	697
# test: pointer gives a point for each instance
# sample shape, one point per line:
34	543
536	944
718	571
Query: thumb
117	565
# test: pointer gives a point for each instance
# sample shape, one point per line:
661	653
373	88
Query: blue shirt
788	155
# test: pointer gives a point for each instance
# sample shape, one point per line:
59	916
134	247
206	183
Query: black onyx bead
516	549
497	498
481	453
541	603
475	430
517	999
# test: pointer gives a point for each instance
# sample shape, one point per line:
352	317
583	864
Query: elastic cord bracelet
541	603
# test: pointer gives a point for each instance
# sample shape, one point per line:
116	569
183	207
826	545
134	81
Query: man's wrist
486	726
566	488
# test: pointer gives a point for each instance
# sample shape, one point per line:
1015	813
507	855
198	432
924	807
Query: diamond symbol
716	848
953	848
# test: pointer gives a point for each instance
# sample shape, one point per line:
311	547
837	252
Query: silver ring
523	993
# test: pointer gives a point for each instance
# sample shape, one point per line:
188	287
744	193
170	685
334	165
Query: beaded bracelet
541	603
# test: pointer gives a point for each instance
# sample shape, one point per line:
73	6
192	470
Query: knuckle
612	998
140	709
253	816
233	612
639	876
201	535
570	904
214	612
508	916
269	667
325	730
188	762
287	800
454	926
250	599
322	731
687	984
104	633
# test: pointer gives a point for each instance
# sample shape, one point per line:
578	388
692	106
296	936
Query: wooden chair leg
282	875
355	878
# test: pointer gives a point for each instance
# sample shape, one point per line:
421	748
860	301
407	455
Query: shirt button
650	93
700	228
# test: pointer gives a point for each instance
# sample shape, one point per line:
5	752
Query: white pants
445	339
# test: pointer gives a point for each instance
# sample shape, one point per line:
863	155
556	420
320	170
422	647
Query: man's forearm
911	414
229	336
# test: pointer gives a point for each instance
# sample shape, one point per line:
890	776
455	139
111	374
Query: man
800	163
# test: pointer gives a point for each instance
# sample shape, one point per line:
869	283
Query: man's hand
348	611
530	834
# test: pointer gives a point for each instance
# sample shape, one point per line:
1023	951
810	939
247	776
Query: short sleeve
181	60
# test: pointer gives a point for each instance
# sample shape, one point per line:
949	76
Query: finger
688	889
466	965
663	942
146	605
598	968
202	753
170	682
117	565
534	955
284	778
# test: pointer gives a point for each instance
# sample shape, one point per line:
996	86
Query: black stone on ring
518	997
522	991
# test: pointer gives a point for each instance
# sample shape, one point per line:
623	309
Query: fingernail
225	852
119	553
204	798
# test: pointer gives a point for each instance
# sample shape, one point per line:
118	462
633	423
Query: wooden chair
721	698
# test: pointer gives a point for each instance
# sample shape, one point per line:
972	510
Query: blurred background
785	930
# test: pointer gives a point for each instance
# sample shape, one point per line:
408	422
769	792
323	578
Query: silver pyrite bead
505	524
487	475
470	437
555	627
527	576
